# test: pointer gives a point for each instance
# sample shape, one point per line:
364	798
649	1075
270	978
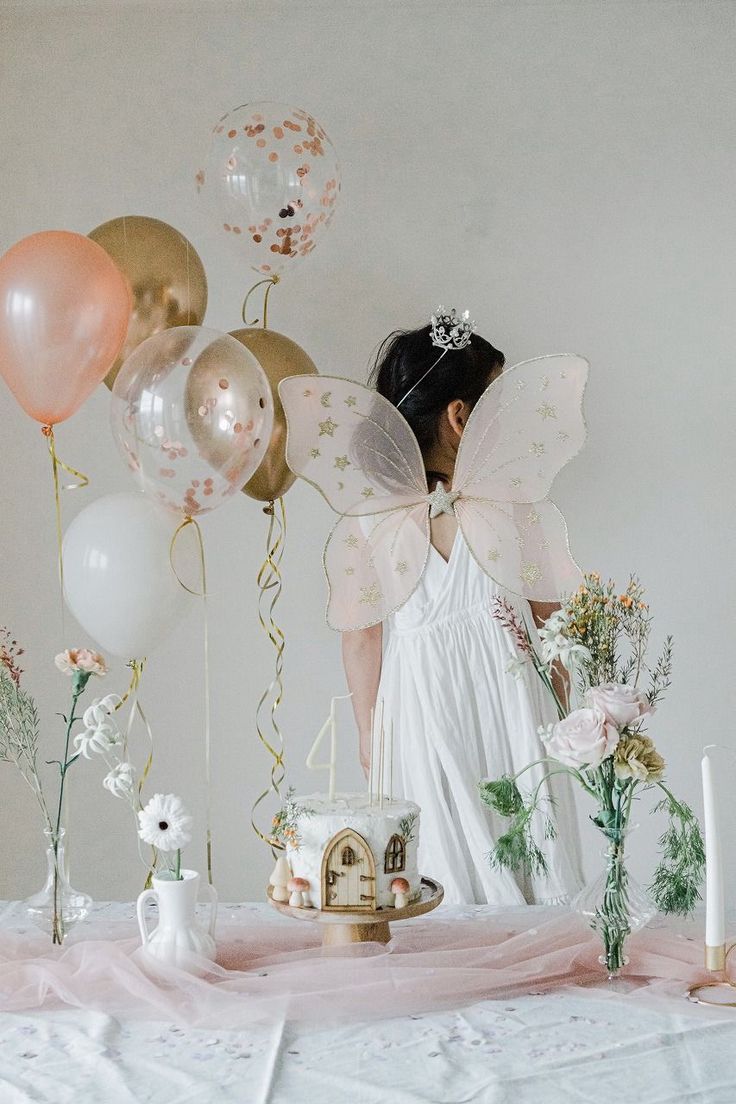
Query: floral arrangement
19	738
165	824
600	638
284	824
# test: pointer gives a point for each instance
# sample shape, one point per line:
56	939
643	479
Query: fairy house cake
347	853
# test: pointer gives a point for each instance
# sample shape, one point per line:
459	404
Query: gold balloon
165	274
279	357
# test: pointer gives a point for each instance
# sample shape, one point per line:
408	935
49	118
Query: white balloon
118	579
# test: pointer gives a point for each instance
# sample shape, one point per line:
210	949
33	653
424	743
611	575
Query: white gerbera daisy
165	823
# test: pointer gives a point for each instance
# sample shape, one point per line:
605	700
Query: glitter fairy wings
357	449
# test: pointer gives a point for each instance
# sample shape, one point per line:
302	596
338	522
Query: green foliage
503	795
406	827
516	849
676	883
19	731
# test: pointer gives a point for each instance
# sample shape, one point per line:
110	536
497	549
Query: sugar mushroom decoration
279	880
297	887
400	889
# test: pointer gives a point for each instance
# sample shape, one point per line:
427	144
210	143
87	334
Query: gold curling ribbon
271	282
188	520
131	694
269	580
56	464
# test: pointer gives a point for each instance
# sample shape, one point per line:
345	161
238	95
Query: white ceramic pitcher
178	936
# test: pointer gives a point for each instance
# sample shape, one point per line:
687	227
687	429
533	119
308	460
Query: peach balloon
64	311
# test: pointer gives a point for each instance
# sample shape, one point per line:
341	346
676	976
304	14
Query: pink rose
622	704
584	738
80	659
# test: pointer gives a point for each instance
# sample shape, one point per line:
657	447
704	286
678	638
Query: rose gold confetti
275	249
167	473
251	229
298	149
195	482
223	385
257	238
278	132
236	229
231	133
261	143
208	490
238	428
273	156
208	482
265	268
225	226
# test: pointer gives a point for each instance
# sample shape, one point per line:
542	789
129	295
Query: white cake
350	852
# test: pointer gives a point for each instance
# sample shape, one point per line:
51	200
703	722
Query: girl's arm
560	678
361	656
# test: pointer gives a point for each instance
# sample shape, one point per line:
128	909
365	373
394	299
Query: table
576	1044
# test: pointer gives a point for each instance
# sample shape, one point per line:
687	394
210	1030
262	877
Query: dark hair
406	355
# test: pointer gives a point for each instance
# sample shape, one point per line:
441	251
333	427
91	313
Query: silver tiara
451	330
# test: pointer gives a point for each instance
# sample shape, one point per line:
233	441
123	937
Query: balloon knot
47	430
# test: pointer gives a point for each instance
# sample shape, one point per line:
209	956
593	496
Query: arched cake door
348	874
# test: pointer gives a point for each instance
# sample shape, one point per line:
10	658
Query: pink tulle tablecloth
465	1004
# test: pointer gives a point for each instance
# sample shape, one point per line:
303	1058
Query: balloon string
56	464
269	579
136	708
188	520
271	282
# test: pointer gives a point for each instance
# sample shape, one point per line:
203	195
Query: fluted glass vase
57	907
614	904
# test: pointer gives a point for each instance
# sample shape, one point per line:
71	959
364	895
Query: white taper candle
715	909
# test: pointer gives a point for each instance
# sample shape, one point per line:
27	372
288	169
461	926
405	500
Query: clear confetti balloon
192	414
273	179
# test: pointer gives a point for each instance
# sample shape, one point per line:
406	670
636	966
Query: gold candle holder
720	993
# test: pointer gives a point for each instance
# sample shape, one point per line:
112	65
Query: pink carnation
80	659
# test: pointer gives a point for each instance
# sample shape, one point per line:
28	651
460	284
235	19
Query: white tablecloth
565	1047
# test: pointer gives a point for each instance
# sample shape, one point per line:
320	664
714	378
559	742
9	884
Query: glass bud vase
615	905
57	907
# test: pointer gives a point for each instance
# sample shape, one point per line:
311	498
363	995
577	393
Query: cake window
395	855
348	856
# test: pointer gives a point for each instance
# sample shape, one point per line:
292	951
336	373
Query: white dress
459	717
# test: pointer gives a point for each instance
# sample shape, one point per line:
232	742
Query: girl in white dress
439	664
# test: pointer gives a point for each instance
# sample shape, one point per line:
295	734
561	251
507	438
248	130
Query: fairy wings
356	448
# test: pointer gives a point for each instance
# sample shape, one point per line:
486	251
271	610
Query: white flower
99	735
80	659
556	646
95	714
582	739
97	741
120	780
165	823
622	704
516	667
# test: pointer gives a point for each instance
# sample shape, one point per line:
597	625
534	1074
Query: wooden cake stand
340	928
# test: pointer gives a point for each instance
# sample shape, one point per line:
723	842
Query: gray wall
564	170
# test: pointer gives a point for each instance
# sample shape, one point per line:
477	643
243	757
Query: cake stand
341	928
